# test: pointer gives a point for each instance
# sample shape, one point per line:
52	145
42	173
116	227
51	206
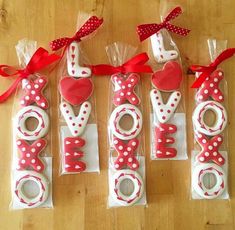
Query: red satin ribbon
146	30
206	71
133	65
87	28
40	59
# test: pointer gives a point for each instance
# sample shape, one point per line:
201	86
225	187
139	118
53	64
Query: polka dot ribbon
40	59
146	30
133	65
206	71
91	25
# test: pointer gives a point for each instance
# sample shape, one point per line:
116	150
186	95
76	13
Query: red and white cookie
31	112
126	154
161	55
76	124
162	141
30	158
74	69
124	89
116	116
210	149
164	111
25	200
198	118
115	187
198	181
210	87
34	93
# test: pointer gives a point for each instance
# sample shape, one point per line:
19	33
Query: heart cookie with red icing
76	91
169	78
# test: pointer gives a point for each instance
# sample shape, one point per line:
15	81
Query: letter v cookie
77	123
164	111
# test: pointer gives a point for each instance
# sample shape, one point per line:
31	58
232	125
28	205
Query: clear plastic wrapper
77	114
167	96
31	177
209	162
126	138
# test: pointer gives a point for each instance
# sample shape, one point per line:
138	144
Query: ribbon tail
10	90
198	82
178	30
146	30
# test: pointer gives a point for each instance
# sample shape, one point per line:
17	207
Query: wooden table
81	200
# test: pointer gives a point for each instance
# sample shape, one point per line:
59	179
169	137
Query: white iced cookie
116	116
161	55
74	69
198	118
25	200
77	123
31	112
198	183
164	111
117	194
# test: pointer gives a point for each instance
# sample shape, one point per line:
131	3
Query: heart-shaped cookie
169	78
76	91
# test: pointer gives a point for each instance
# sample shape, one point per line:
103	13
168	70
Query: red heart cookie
76	91
169	78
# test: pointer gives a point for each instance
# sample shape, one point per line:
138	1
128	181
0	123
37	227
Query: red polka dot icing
124	89
29	158
210	148
34	93
126	157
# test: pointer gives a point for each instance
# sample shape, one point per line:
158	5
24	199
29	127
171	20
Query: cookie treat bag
126	138
77	116
31	176
168	118
210	120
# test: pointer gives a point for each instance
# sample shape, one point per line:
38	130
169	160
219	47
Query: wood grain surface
81	200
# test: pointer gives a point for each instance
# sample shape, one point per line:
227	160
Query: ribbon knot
91	25
206	71
146	30
133	65
40	59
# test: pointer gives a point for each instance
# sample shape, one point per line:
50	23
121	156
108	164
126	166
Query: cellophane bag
167	96
126	175
209	159
31	176
77	113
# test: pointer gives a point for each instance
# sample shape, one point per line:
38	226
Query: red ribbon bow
146	30
133	65
87	28
206	71
40	59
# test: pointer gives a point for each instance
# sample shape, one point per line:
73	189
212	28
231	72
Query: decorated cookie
31	112
76	91
126	154
124	89
164	111
74	69
116	182
210	87
34	93
116	116
72	154
198	181
160	54
162	141
210	149
77	123
25	200
30	158
169	78
198	118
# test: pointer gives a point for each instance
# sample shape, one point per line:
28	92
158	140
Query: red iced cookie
169	78
76	91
